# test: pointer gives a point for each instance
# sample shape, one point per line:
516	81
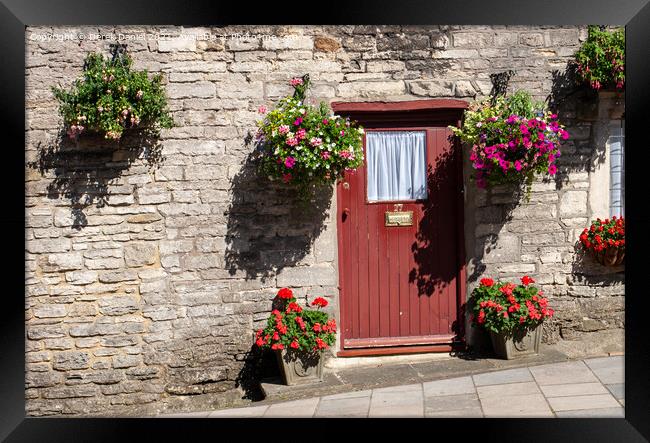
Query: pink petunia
552	169
295	81
283	129
325	155
316	141
298	121
517	165
292	141
262	109
300	134
289	162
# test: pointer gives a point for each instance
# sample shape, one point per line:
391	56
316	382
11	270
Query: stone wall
148	268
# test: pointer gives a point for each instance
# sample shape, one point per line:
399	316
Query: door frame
411	113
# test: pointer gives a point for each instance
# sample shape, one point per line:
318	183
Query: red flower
481	316
276	336
294	307
526	280
275	346
294	344
320	344
487	282
507	288
320	301
259	342
285	293
282	328
300	322
317	327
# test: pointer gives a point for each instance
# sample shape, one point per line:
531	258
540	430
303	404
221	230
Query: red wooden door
401	286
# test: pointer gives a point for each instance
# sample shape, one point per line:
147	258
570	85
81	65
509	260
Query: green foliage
508	308
305	145
600	61
111	98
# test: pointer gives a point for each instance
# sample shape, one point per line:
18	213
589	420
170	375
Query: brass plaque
399	218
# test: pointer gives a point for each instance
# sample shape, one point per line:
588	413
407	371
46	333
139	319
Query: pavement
590	387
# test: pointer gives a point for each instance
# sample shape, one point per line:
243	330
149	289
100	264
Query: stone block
140	254
49	311
191	90
433	88
65	361
126	361
81	277
573	203
118	305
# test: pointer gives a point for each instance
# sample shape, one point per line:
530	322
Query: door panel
399	283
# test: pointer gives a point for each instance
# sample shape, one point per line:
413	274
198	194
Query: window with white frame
616	143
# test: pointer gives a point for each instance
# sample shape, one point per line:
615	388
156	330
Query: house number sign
399	217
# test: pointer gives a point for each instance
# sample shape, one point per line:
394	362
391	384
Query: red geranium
487	282
504	306
526	280
320	301
297	328
285	293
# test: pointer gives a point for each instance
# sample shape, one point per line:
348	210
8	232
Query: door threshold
399	350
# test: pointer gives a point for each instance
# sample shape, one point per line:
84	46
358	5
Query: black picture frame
16	14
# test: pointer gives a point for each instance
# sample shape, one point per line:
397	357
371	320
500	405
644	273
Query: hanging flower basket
606	240
306	146
513	139
600	61
111	98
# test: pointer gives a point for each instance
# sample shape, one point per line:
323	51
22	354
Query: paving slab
573	389
595	413
563	373
344	407
451	403
508	389
617	390
476	412
353	394
500	377
583	402
532	405
297	408
608	371
253	411
450	386
392	402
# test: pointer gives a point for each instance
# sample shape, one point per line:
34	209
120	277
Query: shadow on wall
269	227
575	104
85	169
586	269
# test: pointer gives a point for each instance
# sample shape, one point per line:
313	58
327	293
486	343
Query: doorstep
387	372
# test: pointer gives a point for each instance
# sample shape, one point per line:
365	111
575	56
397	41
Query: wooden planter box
298	367
612	256
517	345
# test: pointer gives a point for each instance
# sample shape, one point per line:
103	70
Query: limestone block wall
149	267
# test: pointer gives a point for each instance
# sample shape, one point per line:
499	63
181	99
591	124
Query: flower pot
298	367
520	343
612	256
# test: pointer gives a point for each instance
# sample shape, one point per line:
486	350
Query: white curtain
396	165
